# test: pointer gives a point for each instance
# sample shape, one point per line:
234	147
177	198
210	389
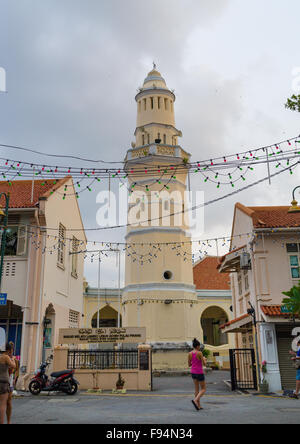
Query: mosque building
160	292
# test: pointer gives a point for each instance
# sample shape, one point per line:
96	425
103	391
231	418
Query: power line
185	210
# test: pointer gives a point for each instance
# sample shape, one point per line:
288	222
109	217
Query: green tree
292	302
293	103
206	353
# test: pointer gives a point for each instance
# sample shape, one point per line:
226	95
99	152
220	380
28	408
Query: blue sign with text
284	309
3	298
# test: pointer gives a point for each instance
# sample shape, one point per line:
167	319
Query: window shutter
73	319
61	245
75	244
22	240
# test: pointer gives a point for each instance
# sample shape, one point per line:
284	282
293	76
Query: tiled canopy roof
244	316
272	310
21	190
271	217
207	277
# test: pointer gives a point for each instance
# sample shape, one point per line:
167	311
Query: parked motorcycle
59	382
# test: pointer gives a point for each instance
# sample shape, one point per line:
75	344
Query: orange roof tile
207	277
234	320
271	217
273	310
20	191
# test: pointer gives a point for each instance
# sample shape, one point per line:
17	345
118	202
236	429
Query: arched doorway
211	320
48	331
108	317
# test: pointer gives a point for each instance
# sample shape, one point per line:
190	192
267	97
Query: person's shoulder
3	359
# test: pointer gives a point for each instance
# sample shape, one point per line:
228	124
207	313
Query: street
169	403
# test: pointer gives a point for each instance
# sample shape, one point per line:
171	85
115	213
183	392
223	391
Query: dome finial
154	65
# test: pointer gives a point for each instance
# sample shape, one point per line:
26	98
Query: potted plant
120	382
206	353
264	386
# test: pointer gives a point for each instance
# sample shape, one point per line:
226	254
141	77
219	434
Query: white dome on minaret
155	112
154	80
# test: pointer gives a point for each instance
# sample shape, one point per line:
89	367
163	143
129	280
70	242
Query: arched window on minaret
145	104
148	138
143	139
140	107
165	139
152	102
166	104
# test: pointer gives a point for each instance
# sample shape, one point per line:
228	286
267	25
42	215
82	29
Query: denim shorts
4	388
298	375
198	376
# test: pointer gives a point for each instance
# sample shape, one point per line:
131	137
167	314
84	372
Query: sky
73	68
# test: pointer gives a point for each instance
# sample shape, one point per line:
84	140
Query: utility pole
251	312
115	250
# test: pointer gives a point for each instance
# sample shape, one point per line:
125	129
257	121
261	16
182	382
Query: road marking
63	400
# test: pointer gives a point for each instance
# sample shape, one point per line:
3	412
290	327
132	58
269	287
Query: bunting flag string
224	170
145	254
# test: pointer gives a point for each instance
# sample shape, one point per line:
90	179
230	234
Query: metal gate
243	369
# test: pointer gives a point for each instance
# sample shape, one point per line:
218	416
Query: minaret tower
159	293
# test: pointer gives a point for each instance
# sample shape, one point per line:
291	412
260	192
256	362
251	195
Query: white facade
42	279
262	285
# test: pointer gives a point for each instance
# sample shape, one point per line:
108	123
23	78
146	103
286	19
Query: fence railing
102	359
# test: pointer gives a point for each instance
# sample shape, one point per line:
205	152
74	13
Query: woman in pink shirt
197	362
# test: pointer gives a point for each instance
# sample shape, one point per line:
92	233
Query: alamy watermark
2	79
152	209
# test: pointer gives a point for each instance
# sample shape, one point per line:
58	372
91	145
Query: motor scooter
62	381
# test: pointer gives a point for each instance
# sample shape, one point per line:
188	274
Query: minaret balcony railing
157	150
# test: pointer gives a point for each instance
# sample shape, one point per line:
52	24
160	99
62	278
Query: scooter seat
57	374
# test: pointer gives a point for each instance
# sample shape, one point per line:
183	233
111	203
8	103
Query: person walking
296	359
197	362
6	362
12	380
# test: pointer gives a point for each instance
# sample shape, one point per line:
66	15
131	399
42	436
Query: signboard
284	309
3	298
132	335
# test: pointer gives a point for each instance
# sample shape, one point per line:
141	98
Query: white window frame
22	237
240	283
246	279
20	251
75	245
61	246
291	254
74	317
